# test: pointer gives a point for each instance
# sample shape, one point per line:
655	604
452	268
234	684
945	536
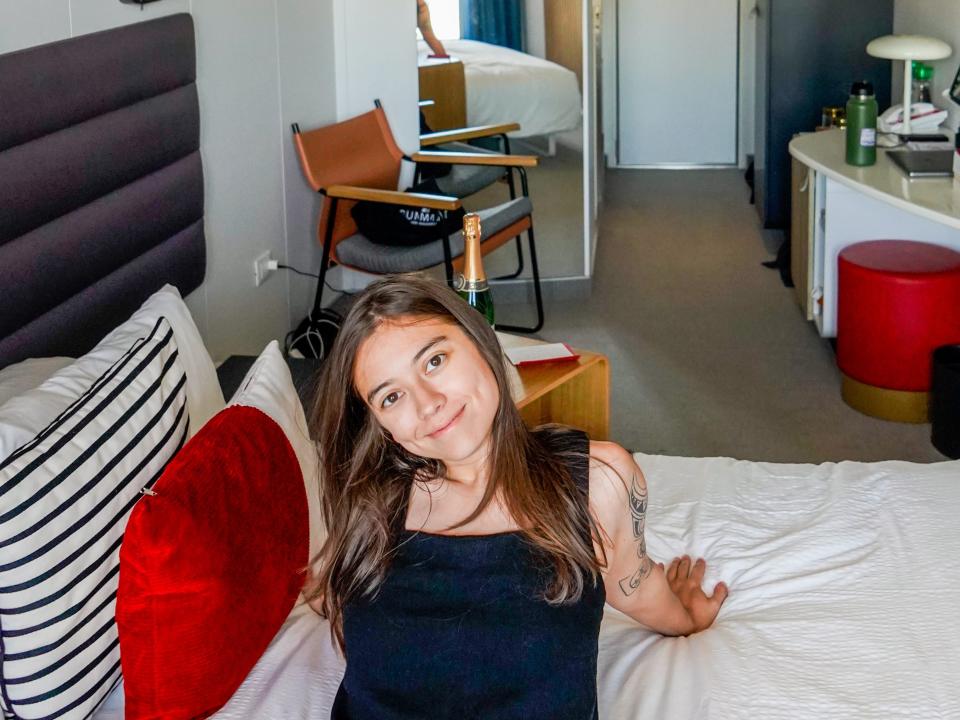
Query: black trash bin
945	401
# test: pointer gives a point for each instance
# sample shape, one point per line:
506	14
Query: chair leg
519	269
513	196
511	184
448	260
536	291
325	259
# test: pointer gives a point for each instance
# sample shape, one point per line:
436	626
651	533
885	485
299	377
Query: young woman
468	558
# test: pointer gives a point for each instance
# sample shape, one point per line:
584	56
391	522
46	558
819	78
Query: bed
505	85
844	584
844	578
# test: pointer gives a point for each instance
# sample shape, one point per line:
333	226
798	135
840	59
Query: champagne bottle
472	284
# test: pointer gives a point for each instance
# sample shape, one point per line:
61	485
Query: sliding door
677	82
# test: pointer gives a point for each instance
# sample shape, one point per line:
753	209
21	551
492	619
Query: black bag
405	226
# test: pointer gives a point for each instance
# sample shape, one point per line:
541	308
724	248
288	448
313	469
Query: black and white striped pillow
64	502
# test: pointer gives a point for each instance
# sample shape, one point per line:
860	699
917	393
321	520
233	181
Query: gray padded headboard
101	185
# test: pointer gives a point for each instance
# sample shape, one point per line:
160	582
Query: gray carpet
556	190
709	353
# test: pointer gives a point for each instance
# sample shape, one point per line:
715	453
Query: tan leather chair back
360	151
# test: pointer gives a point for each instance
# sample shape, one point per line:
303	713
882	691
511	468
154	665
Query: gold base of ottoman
896	405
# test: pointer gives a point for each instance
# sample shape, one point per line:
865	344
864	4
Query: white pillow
269	387
24	416
67	494
20	377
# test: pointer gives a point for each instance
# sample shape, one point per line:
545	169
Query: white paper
538	353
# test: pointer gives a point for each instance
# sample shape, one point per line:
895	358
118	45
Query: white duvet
844	602
505	85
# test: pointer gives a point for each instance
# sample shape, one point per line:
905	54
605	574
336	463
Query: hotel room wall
260	66
376	59
939	19
533	29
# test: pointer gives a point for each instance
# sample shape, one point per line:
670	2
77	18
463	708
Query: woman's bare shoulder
610	462
613	472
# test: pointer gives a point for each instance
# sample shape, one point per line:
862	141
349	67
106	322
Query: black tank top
459	629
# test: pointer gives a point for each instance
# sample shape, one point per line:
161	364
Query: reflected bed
504	85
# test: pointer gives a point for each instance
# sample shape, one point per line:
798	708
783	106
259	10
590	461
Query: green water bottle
472	285
862	125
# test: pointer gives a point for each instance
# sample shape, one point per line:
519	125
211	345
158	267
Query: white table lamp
908	48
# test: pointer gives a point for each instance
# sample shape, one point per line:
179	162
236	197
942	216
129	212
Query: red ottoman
899	300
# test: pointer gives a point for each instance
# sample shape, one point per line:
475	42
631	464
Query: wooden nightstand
442	80
575	393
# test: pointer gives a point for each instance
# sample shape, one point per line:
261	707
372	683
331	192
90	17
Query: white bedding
295	679
844	594
505	85
845	602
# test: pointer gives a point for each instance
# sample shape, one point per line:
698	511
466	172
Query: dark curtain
498	22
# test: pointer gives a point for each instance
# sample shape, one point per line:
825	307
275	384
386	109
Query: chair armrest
392	197
467	133
475	159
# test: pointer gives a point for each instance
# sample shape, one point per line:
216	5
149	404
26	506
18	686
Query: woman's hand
685	578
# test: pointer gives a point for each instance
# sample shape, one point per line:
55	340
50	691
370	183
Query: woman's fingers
699	568
720	592
672	570
683	568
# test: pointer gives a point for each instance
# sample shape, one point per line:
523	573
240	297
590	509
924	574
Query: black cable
281	266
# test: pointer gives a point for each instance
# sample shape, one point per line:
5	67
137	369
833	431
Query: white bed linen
505	85
295	679
844	602
844	594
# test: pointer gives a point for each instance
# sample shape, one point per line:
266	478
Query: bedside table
570	392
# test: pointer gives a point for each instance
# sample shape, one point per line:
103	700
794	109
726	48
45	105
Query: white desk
850	205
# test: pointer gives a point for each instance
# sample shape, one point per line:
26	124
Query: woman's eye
436	361
389	400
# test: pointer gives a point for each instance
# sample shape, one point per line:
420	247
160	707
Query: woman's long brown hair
366	477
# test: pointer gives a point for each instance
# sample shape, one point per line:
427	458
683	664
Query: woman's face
429	387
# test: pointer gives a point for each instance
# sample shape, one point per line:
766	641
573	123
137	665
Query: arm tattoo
638	512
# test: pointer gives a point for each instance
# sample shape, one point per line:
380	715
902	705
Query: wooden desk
575	393
836	205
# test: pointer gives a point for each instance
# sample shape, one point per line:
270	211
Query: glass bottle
922	82
472	284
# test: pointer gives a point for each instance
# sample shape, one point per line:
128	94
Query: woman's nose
429	401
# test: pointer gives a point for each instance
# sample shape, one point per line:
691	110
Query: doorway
677	83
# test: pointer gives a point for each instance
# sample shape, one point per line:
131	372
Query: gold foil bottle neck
472	262
471	225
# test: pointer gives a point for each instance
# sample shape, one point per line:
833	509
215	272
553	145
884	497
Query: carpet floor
709	353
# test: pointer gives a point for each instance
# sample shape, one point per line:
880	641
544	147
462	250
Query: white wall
534	27
939	19
376	57
260	65
307	96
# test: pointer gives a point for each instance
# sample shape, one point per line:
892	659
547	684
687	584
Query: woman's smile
446	428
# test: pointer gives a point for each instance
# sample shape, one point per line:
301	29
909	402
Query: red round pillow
210	566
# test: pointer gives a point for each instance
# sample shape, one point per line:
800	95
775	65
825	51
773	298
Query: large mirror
515	62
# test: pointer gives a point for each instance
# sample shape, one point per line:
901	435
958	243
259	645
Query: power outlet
261	268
